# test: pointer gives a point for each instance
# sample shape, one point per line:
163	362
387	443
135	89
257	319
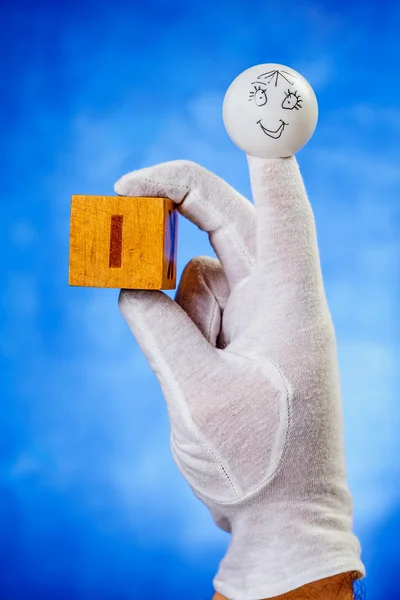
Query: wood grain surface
123	242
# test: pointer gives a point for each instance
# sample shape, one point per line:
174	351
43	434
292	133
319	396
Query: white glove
246	358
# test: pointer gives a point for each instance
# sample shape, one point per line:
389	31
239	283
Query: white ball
270	111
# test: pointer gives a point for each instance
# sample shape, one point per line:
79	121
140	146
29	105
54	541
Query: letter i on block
123	242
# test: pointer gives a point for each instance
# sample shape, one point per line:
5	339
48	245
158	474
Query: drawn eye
292	100
259	95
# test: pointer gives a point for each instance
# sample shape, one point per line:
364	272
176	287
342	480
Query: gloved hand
246	358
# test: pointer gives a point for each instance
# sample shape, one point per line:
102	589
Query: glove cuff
276	549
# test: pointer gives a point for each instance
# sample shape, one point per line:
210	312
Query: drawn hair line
270	75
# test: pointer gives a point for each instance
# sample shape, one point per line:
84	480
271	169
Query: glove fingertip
126	300
120	187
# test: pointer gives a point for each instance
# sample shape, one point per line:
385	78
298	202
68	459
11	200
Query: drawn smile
274	134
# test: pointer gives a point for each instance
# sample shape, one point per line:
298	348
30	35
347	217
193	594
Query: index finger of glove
209	202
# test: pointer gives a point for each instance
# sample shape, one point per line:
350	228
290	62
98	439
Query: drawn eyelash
297	106
253	92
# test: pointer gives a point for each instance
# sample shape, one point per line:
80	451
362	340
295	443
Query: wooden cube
123	242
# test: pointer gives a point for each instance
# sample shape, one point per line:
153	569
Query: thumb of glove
171	341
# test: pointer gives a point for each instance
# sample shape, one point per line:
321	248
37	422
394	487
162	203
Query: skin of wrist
338	587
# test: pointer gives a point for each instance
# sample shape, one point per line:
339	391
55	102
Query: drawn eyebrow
257	82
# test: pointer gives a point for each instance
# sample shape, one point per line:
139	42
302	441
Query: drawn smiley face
270	111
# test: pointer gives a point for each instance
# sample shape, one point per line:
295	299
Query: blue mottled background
92	505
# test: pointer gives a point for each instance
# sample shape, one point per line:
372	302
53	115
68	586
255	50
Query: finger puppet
270	111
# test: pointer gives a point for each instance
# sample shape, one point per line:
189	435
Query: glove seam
185	413
253	494
213	454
